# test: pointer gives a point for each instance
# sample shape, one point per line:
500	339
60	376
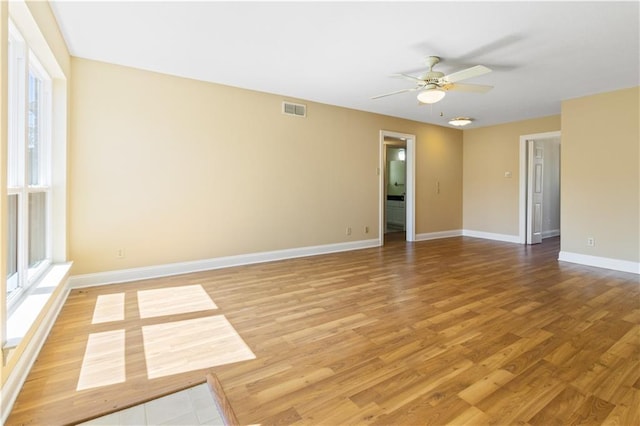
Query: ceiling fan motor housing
432	77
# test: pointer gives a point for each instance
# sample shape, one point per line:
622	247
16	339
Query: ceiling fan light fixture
460	121
431	96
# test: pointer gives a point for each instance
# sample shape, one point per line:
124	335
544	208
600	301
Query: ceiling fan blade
396	92
408	77
463	87
465	74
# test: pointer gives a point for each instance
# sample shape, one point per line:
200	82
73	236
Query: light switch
507	174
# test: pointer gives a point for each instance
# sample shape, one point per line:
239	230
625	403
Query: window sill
29	308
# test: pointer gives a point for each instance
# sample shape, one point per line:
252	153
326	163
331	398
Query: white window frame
22	62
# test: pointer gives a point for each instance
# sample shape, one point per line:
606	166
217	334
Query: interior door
535	163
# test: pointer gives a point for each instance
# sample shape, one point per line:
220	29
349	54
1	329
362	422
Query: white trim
600	262
438	235
157	271
522	202
58	175
18	375
491	236
26	24
410	184
27	66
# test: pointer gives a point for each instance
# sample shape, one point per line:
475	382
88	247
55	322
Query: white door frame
409	198
522	211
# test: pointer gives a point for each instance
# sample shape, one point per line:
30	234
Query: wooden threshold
222	402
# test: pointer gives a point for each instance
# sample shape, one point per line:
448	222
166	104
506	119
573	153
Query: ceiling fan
433	85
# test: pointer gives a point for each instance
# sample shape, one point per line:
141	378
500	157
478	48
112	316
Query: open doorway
395	176
397	193
539	187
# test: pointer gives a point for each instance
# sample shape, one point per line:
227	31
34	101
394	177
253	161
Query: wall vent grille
298	110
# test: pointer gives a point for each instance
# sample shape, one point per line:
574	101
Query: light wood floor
453	331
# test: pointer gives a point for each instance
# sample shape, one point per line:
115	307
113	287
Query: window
28	167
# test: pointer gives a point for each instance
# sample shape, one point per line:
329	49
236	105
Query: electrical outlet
120	253
591	242
348	232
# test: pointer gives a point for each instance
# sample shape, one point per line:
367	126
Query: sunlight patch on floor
103	362
173	300
181	346
109	307
170	347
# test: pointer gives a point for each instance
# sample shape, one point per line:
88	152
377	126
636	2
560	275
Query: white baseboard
157	271
491	236
437	235
11	388
600	262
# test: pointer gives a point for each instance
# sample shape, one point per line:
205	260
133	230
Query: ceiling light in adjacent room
431	96
460	121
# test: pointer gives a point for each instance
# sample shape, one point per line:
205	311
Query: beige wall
173	170
600	175
438	161
490	199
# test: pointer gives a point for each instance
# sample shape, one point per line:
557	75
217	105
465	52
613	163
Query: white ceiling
342	53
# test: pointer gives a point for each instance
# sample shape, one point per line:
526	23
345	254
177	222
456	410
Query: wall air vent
298	110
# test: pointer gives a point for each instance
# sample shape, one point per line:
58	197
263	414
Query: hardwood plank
452	331
485	386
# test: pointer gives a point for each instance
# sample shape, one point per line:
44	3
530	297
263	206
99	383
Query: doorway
397	185
395	175
539	208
